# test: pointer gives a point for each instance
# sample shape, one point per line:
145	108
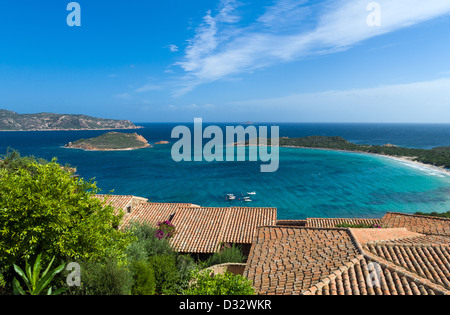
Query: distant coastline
437	158
404	159
12	121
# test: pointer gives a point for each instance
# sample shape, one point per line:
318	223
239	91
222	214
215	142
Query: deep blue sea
309	183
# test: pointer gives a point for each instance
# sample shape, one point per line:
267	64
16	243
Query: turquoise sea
309	183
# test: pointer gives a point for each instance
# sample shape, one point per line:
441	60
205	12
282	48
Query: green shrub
166	274
228	254
205	283
358	226
186	266
43	208
147	244
143	278
104	278
435	214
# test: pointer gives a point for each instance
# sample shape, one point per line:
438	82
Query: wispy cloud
174	48
287	31
425	101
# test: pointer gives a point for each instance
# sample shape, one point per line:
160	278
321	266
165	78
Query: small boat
248	200
251	193
231	197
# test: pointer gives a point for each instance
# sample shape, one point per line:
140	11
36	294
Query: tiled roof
121	203
289	260
357	278
202	230
431	262
331	223
416	223
153	213
365	236
327	261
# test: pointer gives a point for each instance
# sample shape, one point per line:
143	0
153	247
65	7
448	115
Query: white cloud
290	30
148	87
174	48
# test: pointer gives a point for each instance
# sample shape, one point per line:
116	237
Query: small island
112	141
162	142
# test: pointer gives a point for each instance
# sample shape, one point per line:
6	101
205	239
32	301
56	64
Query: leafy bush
228	284
228	254
186	266
104	278
358	226
143	278
166	274
435	214
146	244
44	208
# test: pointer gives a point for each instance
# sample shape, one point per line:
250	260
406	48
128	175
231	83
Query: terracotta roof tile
153	213
416	223
326	261
290	260
121	203
202	230
426	260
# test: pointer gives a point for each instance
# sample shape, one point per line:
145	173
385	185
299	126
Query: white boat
231	197
247	200
251	193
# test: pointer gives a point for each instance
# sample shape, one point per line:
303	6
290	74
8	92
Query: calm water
309	183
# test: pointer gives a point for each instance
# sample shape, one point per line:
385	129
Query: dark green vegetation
49	218
437	157
11	121
435	214
111	141
358	226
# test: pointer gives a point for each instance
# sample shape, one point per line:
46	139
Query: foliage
110	277
43	208
228	254
358	226
435	214
205	283
165	230
144	282
35	282
166	274
186	266
146	244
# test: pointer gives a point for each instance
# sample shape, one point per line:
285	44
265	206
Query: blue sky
228	60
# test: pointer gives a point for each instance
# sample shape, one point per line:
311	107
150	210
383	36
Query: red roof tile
417	223
202	230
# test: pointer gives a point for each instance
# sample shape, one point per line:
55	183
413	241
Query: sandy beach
403	159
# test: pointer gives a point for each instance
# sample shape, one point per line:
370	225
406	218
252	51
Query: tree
45	209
